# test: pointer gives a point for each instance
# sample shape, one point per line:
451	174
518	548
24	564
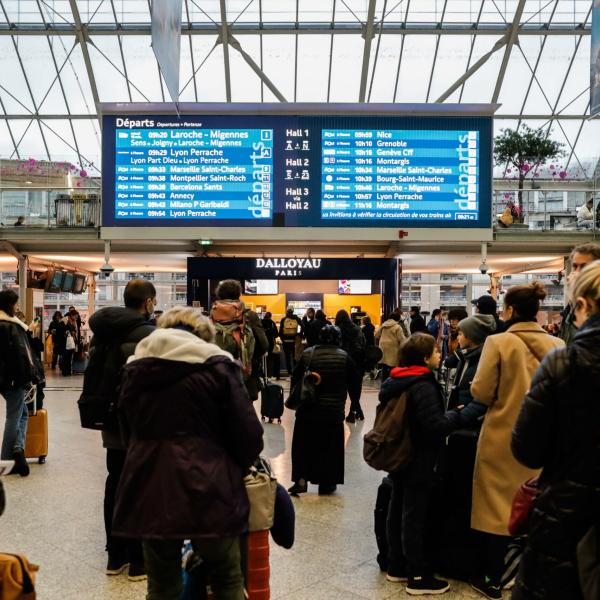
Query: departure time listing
192	173
399	174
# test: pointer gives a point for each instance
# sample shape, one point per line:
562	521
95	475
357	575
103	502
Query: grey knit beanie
478	327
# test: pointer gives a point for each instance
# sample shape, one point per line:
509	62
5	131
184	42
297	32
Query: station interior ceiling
504	257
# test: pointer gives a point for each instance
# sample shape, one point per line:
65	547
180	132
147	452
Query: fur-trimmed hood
6	317
176	345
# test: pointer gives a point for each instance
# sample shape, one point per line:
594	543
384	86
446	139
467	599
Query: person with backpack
289	330
413	483
239	331
353	342
16	374
117	331
192	433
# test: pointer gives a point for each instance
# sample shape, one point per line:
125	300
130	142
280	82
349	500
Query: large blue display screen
298	171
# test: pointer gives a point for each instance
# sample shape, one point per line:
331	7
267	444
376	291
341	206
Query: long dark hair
342	316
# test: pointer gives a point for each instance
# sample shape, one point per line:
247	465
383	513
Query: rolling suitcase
271	398
36	442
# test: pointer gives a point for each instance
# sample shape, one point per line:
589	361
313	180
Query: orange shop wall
275	303
371	304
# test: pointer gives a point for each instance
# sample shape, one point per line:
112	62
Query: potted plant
525	149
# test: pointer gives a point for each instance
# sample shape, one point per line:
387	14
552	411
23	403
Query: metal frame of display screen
373	166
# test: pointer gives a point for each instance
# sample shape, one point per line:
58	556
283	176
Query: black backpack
97	403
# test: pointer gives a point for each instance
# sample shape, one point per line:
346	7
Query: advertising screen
354	286
297	171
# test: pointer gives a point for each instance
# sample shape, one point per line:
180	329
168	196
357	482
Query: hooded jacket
192	432
558	430
16	359
126	327
390	338
428	422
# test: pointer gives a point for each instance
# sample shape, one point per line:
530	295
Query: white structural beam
367	50
225	42
473	69
235	44
513	36
349	28
82	38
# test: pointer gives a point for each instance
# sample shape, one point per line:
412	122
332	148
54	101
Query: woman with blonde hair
558	430
191	433
507	364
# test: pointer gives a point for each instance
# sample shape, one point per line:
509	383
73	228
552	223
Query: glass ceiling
59	58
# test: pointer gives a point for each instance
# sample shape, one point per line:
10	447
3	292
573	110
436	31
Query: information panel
296	171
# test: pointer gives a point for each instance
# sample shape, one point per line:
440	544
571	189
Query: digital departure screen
296	171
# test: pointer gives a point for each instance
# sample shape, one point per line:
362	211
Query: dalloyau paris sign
287	267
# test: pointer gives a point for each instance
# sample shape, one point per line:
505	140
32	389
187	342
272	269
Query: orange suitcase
36	443
257	567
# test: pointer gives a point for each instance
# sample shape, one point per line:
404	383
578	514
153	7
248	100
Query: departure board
296	171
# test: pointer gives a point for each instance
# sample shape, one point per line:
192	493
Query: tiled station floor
54	516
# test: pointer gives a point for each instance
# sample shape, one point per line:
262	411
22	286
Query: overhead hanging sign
166	41
595	60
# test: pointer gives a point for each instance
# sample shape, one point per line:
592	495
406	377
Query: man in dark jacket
314	328
581	256
413	485
417	322
16	374
271	333
121	328
487	305
353	342
230	290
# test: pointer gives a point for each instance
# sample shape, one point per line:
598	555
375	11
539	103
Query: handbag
522	507
70	342
261	487
305	391
17	577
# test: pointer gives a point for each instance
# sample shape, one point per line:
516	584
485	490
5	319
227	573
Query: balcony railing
50	209
549	210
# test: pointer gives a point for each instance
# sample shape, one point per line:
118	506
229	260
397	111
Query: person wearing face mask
121	328
507	364
581	256
558	430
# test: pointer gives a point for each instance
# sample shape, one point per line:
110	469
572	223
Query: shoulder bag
522	507
261	487
305	391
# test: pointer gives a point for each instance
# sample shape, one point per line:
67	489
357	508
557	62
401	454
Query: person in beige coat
507	364
389	338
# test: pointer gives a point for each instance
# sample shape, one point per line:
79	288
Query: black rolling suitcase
271	398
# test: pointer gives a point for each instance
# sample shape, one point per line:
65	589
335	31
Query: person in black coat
368	330
353	342
417	322
271	332
16	374
318	441
52	328
413	485
121	328
192	433
314	327
558	430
